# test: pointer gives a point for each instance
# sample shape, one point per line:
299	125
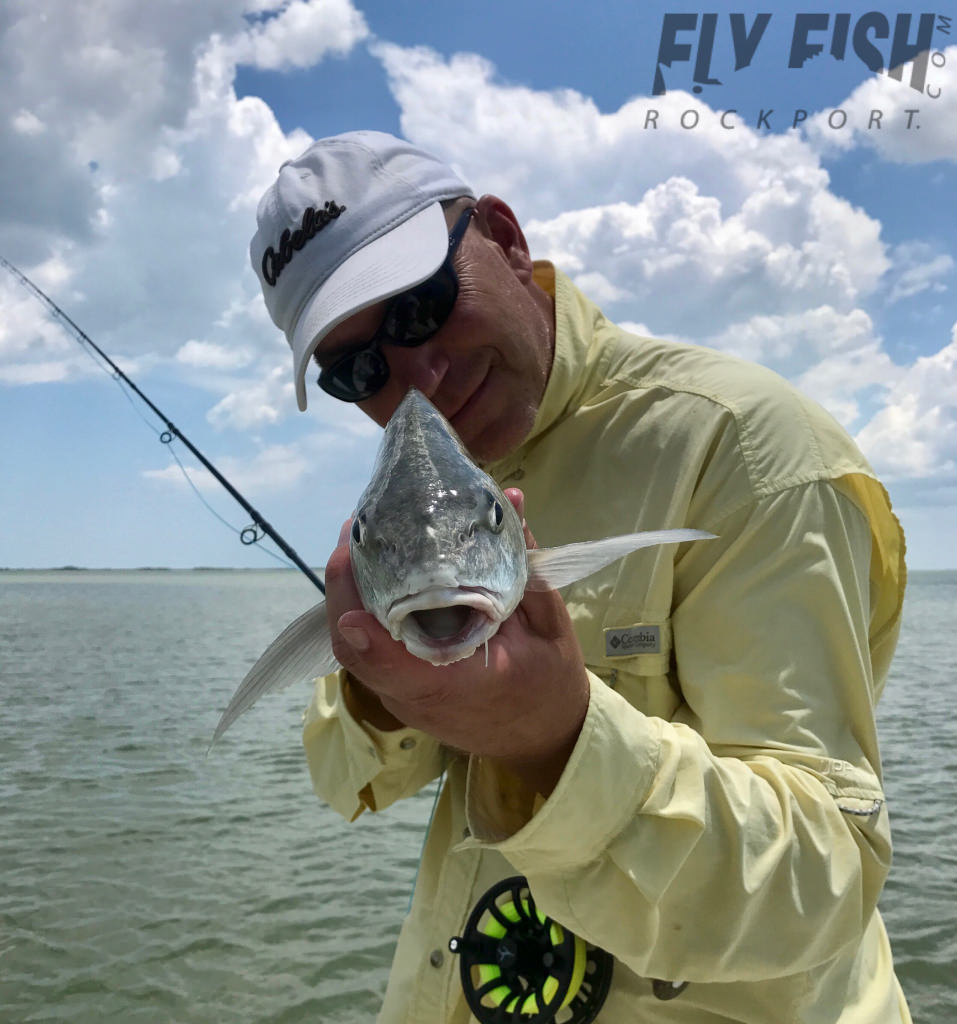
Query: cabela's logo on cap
313	221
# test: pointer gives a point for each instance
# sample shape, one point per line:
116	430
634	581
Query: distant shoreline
154	568
258	569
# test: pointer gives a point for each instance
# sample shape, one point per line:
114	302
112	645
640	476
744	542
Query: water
918	731
143	882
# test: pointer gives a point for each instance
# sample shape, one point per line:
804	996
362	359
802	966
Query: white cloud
209	354
35	372
599	288
274	468
915	434
27	333
27	123
684	264
301	35
911	127
556	151
918	268
256	403
164	164
795	343
145	168
838	381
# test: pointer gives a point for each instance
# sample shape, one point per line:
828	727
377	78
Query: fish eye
359	529
496	514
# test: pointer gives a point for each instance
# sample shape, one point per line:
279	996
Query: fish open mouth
445	624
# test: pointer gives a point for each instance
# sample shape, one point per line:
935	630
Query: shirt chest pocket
632	653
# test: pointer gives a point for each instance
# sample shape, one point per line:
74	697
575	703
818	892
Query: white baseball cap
355	219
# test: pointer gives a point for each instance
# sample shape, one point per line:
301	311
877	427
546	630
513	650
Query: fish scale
437	510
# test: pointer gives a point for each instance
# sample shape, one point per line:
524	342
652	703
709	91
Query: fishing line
428	829
164	437
249	535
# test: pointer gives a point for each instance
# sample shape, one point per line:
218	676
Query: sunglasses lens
415	315
356	377
411	318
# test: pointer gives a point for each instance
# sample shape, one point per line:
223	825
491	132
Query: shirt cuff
387	744
606	780
366	750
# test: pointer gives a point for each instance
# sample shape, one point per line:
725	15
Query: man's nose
422	367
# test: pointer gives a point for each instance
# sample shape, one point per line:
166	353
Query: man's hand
525	709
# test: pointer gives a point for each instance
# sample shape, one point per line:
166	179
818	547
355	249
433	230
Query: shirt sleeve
746	838
355	766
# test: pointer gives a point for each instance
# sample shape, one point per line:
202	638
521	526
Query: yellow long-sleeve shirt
721	819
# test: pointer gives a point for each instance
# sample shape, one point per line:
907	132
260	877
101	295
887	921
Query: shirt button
436	958
407	744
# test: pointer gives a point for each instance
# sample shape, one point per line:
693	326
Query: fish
438	555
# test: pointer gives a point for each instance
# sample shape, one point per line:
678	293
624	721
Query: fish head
438	551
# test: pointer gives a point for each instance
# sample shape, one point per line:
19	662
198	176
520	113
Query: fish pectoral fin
551	568
301	652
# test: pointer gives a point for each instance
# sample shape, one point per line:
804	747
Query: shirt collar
578	364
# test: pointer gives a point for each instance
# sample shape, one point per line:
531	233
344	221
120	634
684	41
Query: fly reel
520	967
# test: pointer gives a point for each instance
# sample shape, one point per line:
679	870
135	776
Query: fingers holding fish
351	627
524	708
521	707
517	498
552	695
344	532
342	594
349	622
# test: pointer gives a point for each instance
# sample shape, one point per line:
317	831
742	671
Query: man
680	757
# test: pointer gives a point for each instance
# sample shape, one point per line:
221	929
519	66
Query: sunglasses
411	318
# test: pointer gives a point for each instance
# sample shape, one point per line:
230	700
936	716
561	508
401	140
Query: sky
761	186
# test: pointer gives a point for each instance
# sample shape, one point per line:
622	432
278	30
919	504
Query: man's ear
499	223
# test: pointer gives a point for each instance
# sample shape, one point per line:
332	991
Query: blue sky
136	140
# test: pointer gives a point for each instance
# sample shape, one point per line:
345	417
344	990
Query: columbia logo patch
623	643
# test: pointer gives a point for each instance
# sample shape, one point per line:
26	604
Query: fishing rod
249	535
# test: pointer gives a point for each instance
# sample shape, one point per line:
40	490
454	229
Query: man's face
486	368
